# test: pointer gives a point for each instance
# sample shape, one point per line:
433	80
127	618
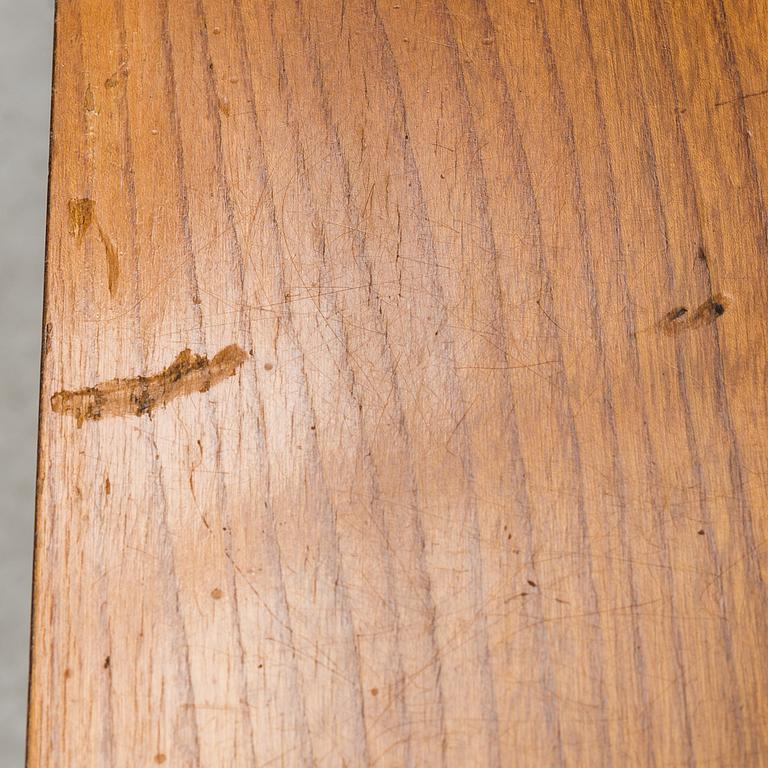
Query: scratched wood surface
404	385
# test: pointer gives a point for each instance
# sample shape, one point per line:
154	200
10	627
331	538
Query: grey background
26	36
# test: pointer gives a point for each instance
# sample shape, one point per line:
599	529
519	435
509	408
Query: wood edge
32	757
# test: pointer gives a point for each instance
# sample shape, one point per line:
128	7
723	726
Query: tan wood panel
404	385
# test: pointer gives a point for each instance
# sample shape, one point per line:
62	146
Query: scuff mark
140	395
80	217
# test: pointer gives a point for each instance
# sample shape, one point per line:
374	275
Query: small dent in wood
140	395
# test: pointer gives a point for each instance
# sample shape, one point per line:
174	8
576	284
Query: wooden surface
404	385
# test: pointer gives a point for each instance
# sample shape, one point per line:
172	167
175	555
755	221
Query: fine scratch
140	395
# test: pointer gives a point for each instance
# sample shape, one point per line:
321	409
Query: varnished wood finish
489	488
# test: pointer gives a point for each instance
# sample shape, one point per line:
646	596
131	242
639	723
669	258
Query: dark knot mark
140	395
680	319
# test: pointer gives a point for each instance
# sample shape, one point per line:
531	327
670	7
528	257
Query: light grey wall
26	35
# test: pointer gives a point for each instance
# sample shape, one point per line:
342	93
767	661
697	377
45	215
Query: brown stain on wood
81	215
140	395
680	319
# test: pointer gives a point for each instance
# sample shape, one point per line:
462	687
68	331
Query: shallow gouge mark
140	395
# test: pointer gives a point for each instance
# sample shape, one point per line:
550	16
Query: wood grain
490	485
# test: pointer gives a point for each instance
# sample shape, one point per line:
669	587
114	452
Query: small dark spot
67	673
107	486
160	758
509	537
261	666
531	583
107	662
374	691
216	594
523	594
700	531
709	311
701	254
267	366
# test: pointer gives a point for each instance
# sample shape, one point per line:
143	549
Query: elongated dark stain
113	263
680	319
140	395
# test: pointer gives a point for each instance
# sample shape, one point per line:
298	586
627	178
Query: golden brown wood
490	486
